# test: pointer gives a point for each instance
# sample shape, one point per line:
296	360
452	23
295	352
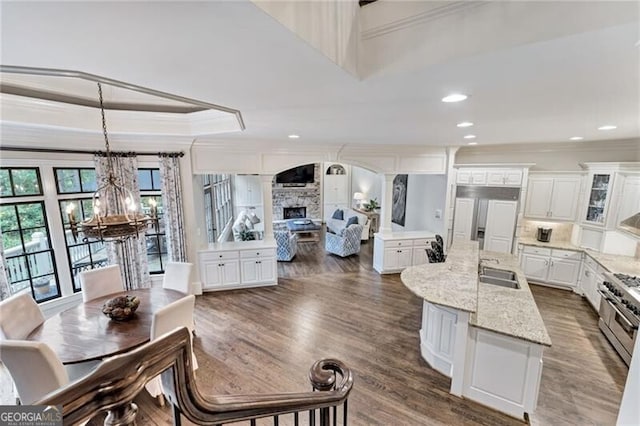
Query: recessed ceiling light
469	136
576	138
473	143
607	127
454	97
465	124
294	136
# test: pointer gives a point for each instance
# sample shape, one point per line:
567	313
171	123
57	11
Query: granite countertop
612	262
241	245
402	235
453	284
508	311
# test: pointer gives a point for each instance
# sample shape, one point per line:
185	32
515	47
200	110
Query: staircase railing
113	386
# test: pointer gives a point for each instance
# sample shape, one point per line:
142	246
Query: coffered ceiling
534	71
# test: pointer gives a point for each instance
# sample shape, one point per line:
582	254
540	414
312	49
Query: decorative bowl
121	308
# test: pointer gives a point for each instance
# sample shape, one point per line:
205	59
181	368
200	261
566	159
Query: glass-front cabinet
598	198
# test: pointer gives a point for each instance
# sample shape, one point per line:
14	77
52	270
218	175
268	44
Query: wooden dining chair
99	282
174	315
177	276
36	370
19	316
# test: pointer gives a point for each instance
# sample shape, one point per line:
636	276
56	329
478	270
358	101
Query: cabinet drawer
422	242
537	250
398	243
566	254
588	260
267	252
217	255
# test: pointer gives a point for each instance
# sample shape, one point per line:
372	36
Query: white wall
425	195
367	182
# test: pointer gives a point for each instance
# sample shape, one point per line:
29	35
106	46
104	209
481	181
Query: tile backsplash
561	231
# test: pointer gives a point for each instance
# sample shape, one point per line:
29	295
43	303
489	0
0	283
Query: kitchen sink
498	273
498	277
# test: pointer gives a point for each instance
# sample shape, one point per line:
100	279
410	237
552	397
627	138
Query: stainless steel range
620	312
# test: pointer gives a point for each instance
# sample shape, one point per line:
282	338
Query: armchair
287	245
345	244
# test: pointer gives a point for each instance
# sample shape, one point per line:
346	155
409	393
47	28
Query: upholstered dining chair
172	316
19	316
345	244
177	276
99	282
36	370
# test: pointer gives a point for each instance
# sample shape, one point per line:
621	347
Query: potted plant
41	285
371	205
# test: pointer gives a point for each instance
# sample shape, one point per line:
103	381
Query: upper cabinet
629	197
598	198
336	188
489	177
552	197
248	191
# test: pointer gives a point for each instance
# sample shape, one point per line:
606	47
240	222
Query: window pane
25	182
88	179
5	183
30	215
144	180
155	175
68	180
8	219
45	287
17	273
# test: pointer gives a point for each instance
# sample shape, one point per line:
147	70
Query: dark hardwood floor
265	339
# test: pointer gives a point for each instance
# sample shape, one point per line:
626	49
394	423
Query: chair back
177	276
174	315
439	240
36	370
100	282
19	316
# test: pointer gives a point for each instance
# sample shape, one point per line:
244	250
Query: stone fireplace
294	212
306	197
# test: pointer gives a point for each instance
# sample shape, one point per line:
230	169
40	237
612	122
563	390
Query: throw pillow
353	220
338	214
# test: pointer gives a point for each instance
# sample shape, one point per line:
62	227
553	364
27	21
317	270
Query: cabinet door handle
546	263
587	274
552	263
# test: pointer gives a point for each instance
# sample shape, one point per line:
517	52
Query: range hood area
631	224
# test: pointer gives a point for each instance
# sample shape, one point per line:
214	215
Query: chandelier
115	214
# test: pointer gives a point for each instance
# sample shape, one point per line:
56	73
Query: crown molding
450	8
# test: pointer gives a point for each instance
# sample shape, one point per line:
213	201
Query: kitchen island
488	338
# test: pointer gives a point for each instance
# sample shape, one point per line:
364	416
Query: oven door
622	328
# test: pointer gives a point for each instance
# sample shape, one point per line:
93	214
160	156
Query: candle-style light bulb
154	209
70	208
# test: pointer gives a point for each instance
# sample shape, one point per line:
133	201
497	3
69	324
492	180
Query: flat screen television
297	176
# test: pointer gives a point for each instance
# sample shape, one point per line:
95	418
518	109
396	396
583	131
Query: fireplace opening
294	212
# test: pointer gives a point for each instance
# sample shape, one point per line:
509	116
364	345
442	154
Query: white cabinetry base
502	372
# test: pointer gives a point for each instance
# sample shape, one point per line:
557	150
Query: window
31	264
150	187
75	187
217	204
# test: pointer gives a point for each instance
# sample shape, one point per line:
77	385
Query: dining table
83	333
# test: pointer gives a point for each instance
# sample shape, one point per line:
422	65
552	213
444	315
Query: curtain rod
82	151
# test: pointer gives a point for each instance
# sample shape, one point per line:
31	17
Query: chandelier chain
104	129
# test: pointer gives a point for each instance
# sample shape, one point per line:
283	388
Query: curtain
173	215
5	289
130	254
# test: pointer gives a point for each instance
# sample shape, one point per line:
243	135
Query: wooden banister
115	383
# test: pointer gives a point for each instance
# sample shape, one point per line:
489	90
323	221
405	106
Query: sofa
346	243
337	225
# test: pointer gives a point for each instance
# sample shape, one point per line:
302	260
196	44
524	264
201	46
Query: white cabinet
598	198
552	197
219	269
394	252
551	266
335	189
463	218
629	198
248	190
590	280
258	266
504	177
500	226
238	264
491	177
